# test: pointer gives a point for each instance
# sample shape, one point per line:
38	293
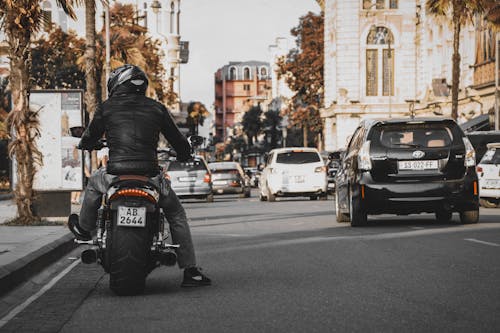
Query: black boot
75	228
193	277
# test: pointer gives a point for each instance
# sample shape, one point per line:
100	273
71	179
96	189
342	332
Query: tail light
479	169
235	183
207	178
132	192
470	153
320	169
364	161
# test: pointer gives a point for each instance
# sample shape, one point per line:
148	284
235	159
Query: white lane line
481	242
37	295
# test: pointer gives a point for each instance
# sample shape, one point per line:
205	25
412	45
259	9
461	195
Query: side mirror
77	131
196	140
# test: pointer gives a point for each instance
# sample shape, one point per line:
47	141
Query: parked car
333	165
189	179
229	178
488	172
295	171
406	166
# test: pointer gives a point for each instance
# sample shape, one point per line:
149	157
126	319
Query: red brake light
207	178
132	192
479	169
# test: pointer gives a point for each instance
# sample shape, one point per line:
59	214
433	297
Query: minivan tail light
470	153
364	161
207	178
479	169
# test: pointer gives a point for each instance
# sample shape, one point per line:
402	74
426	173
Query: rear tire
444	216
313	197
357	214
129	258
469	216
210	198
341	217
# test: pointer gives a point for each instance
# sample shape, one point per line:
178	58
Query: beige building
384	58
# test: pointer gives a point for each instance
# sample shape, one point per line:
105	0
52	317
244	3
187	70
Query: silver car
190	179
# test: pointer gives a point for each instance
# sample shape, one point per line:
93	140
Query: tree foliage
252	123
458	13
303	73
271	126
55	59
197	112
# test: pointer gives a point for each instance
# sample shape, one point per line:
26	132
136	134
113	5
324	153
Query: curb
19	271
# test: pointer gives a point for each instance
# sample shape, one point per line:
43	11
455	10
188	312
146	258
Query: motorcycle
130	239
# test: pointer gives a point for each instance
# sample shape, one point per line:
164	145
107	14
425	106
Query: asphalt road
288	266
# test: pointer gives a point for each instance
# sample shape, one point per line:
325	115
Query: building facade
238	86
387	58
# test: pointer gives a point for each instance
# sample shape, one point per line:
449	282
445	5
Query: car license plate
187	179
492	183
418	165
131	216
219	182
298	179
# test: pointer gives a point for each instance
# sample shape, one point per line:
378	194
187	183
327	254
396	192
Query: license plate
418	165
187	179
298	179
219	182
131	216
492	183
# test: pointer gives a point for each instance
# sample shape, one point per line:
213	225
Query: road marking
14	312
481	242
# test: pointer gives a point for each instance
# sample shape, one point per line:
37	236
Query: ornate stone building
387	58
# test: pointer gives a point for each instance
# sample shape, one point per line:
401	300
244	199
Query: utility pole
497	61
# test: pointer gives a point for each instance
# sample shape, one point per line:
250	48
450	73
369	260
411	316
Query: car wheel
262	197
341	217
323	196
248	193
487	203
444	215
210	198
313	197
469	216
357	214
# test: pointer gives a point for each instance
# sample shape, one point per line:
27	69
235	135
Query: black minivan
407	166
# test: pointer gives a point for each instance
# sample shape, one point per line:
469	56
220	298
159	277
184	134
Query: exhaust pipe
89	256
168	257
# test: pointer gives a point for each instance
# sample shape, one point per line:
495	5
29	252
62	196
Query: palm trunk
90	64
23	123
305	129
456	64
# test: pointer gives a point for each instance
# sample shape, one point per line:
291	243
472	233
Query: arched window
379	62
47	15
246	73
263	72
232	73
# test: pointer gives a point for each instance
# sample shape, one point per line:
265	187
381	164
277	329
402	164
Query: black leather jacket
132	124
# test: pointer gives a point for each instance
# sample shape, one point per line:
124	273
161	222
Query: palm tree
459	13
21	20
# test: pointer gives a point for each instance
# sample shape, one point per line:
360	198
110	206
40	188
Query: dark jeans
172	208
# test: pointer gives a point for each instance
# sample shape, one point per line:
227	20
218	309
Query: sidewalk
25	251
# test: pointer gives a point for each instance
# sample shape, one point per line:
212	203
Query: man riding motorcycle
132	123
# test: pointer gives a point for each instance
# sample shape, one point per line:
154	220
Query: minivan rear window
415	137
294	157
492	156
186	166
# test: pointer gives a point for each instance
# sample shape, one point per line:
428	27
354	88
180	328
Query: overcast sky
220	31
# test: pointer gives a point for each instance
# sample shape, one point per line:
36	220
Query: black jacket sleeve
94	132
171	132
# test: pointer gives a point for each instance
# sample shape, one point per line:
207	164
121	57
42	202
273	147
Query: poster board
58	111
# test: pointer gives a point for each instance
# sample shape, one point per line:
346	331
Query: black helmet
130	78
